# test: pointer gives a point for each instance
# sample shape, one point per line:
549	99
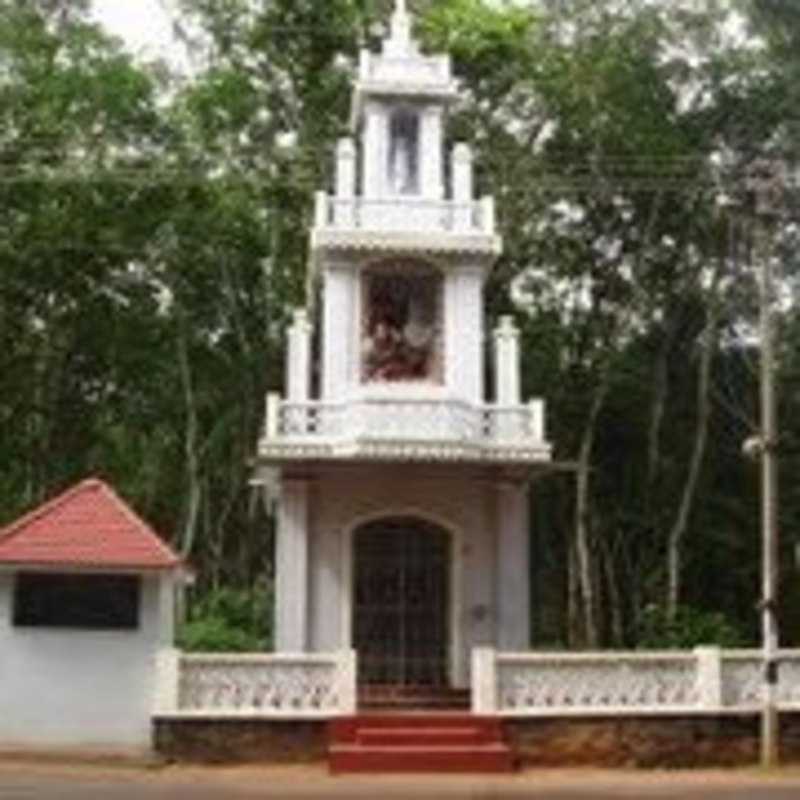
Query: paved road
34	782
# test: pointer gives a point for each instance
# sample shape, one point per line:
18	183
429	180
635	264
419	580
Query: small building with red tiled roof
87	594
88	526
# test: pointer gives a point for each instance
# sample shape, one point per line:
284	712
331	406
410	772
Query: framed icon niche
401	324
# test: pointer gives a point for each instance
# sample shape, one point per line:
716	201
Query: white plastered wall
463	336
464	506
65	689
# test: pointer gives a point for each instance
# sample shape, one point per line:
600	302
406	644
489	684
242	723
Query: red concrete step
346	729
487	758
422	736
418	742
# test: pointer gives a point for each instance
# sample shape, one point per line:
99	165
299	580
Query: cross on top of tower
400	42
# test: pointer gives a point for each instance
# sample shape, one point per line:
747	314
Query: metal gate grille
401	609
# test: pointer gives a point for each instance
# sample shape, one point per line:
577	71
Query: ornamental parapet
404	430
409	224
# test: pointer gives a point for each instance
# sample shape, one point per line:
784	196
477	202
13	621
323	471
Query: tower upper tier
401	251
391	189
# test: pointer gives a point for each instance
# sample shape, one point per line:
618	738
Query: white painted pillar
167	596
509	425
291	567
166	681
462	186
709	676
298	363
374	156
338	327
484	680
364	64
431	153
321	218
272	417
512	587
344	214
348	681
464	333
536	419
506	363
488	221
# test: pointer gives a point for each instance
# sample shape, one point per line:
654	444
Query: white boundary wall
87	690
705	680
259	686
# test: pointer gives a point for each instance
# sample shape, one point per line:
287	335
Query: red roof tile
86	526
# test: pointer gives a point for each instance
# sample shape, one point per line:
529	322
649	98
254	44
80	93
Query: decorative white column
506	363
431	153
364	64
291	567
272	417
709	676
298	364
167	595
484	680
338	331
487	215
375	155
462	187
536	420
321	218
513	573
464	333
348	681
166	681
344	210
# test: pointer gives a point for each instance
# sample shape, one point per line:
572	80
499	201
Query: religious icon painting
401	324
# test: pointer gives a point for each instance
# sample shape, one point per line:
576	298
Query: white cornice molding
405	242
365	449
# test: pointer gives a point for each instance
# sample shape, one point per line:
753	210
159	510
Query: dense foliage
153	242
229	620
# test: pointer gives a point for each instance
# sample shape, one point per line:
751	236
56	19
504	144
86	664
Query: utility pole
765	182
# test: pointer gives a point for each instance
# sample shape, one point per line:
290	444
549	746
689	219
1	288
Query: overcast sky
142	23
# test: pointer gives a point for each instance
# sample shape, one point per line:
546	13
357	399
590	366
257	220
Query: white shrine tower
403	484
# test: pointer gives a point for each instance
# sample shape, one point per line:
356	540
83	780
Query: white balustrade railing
430	69
306	685
412	214
707	680
789	680
318	686
584	682
515	422
743	677
409	420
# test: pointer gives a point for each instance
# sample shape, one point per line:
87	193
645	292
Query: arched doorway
401	608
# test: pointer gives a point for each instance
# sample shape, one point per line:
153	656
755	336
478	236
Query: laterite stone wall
240	741
647	742
657	741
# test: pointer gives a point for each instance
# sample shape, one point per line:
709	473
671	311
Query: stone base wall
240	741
680	741
646	742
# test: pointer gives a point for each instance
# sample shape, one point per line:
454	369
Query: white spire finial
399	41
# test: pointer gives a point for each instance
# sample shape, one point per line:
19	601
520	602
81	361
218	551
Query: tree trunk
194	490
574	625
657	410
583	551
703	403
616	612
